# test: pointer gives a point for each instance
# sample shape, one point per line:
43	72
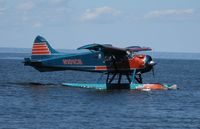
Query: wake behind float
102	58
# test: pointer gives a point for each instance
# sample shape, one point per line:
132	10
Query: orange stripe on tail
40	49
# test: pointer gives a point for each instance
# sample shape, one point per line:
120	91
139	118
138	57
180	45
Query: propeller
152	63
153	72
149	65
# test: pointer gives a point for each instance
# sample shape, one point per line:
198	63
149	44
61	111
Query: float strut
140	76
128	78
133	77
112	78
120	77
107	77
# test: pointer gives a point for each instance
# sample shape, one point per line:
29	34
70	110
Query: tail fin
42	47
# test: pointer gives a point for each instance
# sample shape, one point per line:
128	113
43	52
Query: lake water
30	99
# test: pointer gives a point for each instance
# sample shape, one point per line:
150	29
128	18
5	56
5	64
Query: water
30	99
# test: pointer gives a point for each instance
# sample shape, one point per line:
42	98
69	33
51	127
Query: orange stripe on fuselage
101	68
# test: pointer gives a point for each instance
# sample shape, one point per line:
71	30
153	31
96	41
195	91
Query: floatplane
116	63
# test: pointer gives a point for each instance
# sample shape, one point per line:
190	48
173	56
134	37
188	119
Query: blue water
30	99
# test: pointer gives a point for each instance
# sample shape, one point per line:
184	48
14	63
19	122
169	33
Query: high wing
108	49
138	48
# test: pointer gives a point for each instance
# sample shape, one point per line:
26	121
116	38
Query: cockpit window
99	56
130	54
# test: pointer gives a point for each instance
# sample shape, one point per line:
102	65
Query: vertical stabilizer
42	47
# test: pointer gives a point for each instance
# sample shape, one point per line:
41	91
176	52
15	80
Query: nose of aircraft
149	61
149	64
152	63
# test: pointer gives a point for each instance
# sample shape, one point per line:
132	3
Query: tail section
42	47
41	52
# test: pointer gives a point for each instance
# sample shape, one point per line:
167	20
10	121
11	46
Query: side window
99	56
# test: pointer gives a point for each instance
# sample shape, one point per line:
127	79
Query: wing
95	47
107	49
110	50
138	48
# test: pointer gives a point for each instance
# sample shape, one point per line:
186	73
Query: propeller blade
153	72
